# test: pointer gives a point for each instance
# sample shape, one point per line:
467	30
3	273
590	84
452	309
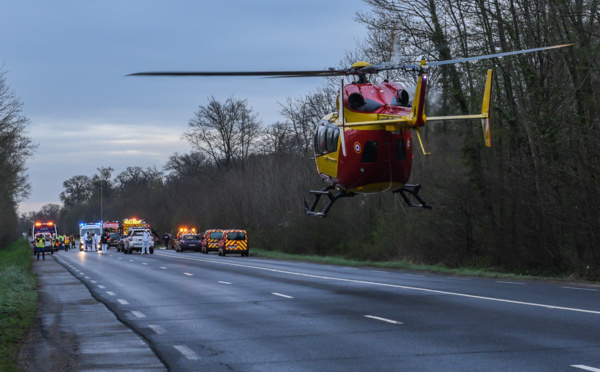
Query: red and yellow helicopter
367	145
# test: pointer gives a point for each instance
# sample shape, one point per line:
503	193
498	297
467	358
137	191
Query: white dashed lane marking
383	319
224	282
157	329
123	302
586	368
281	295
188	274
581	289
101	286
138	314
187	352
162	267
110	293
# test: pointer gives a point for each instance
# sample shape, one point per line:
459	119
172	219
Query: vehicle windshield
191	237
216	235
95	230
236	235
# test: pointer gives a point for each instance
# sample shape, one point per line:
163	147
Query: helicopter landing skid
414	191
332	198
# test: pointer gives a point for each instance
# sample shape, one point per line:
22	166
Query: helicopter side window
333	134
322	140
400	150
369	152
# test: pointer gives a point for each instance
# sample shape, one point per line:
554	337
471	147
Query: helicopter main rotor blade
283	74
363	70
488	56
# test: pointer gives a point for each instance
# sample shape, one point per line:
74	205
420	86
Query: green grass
18	301
487	272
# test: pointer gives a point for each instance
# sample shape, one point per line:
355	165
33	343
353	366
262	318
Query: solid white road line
187	352
586	368
224	282
581	289
388	285
156	328
123	302
110	293
383	319
517	283
281	295
138	314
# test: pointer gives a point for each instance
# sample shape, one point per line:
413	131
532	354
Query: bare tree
226	132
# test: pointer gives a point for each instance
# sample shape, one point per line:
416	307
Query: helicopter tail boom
485	111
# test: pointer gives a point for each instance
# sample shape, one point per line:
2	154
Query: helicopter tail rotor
485	109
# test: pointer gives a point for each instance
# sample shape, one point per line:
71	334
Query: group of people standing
90	240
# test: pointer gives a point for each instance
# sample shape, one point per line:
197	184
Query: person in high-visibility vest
67	242
40	243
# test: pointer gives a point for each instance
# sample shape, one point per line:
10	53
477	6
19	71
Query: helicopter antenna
341	115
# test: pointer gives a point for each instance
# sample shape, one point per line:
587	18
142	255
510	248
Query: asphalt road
235	313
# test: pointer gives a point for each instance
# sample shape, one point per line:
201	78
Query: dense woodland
529	204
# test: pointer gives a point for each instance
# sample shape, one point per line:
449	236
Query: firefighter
67	242
40	244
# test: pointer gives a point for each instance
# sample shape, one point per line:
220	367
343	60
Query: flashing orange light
50	223
38	224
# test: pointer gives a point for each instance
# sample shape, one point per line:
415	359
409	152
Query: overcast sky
67	61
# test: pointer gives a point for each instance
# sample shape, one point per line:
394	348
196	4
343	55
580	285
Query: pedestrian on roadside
104	241
40	244
166	239
146	242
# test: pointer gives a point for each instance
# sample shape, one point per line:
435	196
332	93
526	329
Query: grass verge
486	272
18	301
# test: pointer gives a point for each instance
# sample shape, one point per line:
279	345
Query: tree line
15	148
528	204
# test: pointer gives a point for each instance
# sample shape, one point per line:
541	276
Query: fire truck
133	222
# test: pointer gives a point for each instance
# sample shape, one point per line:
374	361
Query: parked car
189	242
234	241
113	240
211	240
133	241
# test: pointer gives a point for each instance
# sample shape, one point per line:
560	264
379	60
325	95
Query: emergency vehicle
133	222
233	241
48	229
111	226
91	227
211	240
